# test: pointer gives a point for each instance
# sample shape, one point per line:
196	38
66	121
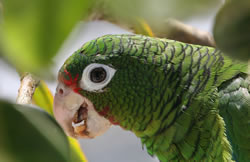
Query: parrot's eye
96	76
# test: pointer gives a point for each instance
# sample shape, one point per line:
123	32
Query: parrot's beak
77	115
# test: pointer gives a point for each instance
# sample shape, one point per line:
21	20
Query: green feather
172	95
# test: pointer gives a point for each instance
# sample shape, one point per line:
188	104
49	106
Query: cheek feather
105	114
113	121
104	111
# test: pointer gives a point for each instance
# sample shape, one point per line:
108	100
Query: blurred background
30	45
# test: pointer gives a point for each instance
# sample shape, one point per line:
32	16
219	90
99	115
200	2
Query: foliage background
116	145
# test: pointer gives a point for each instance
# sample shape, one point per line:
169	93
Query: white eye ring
87	84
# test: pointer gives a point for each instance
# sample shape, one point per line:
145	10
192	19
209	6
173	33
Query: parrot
185	102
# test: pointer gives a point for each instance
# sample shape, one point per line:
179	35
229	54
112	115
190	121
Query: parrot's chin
77	115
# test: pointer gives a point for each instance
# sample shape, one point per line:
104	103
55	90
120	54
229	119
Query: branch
27	89
173	29
170	29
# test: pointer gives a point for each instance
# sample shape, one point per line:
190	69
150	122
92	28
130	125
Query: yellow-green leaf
76	154
43	97
143	28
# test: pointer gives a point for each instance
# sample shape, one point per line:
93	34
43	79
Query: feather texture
175	97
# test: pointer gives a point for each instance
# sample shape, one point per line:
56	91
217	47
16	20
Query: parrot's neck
195	139
192	134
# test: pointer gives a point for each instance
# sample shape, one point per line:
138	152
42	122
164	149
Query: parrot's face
95	91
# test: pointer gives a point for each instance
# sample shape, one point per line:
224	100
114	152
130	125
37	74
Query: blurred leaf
30	135
143	28
154	12
44	99
232	29
76	152
34	30
1	11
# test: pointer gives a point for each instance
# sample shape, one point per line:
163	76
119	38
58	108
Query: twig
173	29
27	89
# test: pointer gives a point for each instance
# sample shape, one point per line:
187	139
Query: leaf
28	134
143	28
34	30
232	29
154	12
76	152
44	99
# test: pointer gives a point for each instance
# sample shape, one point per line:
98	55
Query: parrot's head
102	84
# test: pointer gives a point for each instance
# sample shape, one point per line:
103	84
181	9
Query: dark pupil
98	75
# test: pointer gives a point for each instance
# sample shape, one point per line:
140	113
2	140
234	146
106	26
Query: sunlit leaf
232	29
76	153
28	134
34	30
44	99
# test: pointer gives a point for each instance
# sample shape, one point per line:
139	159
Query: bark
27	88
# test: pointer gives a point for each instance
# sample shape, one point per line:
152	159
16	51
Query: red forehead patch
72	82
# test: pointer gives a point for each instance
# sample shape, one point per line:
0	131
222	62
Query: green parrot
185	102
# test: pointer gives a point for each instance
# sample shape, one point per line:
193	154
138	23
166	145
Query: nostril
61	91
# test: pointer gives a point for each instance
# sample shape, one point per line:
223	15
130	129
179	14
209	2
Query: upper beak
66	104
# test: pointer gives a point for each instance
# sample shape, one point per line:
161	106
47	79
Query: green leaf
30	135
232	29
44	99
33	30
